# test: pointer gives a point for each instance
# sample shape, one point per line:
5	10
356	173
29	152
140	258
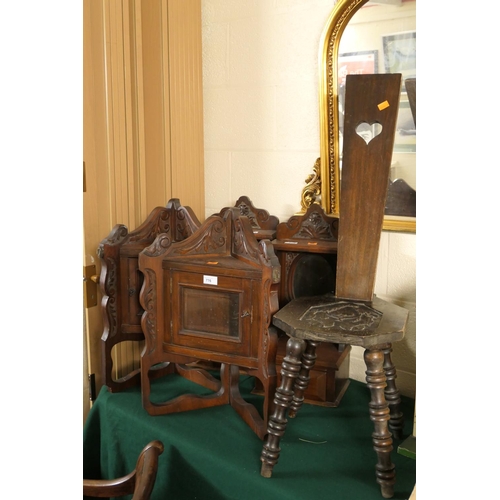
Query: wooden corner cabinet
121	282
211	298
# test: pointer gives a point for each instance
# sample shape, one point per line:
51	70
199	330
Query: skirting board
408	447
405	381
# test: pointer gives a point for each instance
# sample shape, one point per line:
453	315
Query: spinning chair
352	315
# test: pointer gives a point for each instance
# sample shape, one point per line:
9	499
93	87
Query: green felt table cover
211	454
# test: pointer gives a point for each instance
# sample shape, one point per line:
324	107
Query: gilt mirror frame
324	184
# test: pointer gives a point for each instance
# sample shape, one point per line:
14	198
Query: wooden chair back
369	131
139	483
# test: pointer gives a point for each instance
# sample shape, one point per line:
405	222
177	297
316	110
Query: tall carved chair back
211	297
352	315
121	281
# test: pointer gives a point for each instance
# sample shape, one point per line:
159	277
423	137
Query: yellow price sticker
383	105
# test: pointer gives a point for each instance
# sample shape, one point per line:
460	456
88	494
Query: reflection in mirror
381	38
368	131
362	36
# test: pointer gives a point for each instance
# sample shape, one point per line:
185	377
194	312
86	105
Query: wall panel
140	150
186	104
155	105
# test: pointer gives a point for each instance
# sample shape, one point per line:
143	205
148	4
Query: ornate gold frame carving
312	190
325	189
328	101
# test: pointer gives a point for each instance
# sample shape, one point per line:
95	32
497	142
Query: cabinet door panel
206	309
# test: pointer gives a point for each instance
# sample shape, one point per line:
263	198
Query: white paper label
209	280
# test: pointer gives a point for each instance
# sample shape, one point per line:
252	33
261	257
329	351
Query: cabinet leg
284	393
379	414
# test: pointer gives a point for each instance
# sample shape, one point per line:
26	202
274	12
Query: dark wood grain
351	315
306	246
365	175
262	222
139	483
121	282
211	297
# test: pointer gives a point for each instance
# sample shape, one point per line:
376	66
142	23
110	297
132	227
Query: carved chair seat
351	315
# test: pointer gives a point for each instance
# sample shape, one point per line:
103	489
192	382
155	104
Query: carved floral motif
148	302
149	231
243	246
116	236
315	227
159	245
247	212
213	238
110	296
347	316
184	226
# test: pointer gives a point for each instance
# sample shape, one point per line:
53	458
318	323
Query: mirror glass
381	38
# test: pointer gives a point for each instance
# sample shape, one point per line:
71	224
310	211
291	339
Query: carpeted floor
212	454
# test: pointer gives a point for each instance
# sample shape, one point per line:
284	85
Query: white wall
261	119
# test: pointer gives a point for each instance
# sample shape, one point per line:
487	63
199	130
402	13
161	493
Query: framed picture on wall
400	54
357	63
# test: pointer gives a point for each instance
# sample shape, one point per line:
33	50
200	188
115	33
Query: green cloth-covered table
211	454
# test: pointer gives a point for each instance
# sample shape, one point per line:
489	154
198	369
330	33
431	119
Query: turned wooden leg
379	414
392	395
284	393
302	381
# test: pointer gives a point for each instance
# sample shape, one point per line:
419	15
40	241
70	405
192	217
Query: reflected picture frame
400	54
357	63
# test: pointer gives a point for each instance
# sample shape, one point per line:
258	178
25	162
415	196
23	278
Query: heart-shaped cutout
368	131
